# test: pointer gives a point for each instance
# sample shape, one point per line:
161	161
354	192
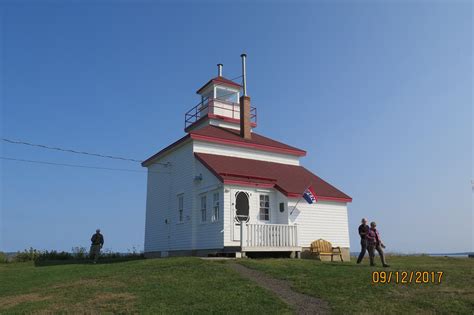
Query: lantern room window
207	96
227	95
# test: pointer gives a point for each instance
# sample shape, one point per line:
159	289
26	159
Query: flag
309	195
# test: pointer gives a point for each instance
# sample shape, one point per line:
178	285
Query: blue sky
379	94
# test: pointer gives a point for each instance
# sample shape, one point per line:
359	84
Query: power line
76	165
69	150
43	146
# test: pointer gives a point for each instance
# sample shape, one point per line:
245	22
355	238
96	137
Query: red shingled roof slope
291	180
233	136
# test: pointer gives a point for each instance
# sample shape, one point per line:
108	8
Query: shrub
3	258
53	255
79	252
108	253
27	255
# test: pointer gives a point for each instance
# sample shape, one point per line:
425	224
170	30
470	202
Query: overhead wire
69	150
77	165
47	147
43	146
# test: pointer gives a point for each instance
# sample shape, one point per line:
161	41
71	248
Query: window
264	207
226	95
203	208
215	208
180	208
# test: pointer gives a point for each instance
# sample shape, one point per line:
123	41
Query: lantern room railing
216	108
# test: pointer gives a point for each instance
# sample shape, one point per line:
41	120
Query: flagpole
296	205
301	196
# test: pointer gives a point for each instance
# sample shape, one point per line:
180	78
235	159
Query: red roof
231	137
220	81
291	180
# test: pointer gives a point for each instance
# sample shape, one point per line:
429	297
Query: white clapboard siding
163	187
245	153
162	202
326	220
228	217
209	234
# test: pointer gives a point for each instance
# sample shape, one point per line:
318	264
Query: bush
53	255
79	252
3	258
27	255
109	254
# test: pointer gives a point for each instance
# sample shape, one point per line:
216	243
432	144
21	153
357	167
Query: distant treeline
77	254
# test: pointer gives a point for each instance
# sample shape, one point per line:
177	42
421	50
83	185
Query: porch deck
270	237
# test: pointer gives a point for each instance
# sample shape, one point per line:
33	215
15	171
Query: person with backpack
97	241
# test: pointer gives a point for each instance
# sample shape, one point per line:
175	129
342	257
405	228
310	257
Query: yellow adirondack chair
324	248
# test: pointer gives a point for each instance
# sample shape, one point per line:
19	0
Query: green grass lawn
185	285
348	287
175	285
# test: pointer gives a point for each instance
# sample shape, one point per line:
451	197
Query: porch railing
276	237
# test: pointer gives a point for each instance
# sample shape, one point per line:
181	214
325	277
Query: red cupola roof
219	81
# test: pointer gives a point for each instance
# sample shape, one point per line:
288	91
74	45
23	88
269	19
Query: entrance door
241	207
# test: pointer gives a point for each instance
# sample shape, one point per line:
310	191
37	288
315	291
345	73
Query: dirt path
302	303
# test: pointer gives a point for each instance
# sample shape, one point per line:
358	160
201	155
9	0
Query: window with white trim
264	207
215	207
203	208
181	208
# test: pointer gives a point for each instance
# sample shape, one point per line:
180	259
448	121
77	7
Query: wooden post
242	242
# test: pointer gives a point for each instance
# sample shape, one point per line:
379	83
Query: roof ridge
281	145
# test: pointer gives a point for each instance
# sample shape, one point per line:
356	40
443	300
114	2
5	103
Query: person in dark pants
363	231
97	241
375	243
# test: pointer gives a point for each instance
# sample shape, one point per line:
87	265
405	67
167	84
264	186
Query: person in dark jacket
97	241
363	231
374	243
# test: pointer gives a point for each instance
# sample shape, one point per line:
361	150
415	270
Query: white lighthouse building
223	189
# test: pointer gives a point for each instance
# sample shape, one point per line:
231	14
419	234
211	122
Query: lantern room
219	105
